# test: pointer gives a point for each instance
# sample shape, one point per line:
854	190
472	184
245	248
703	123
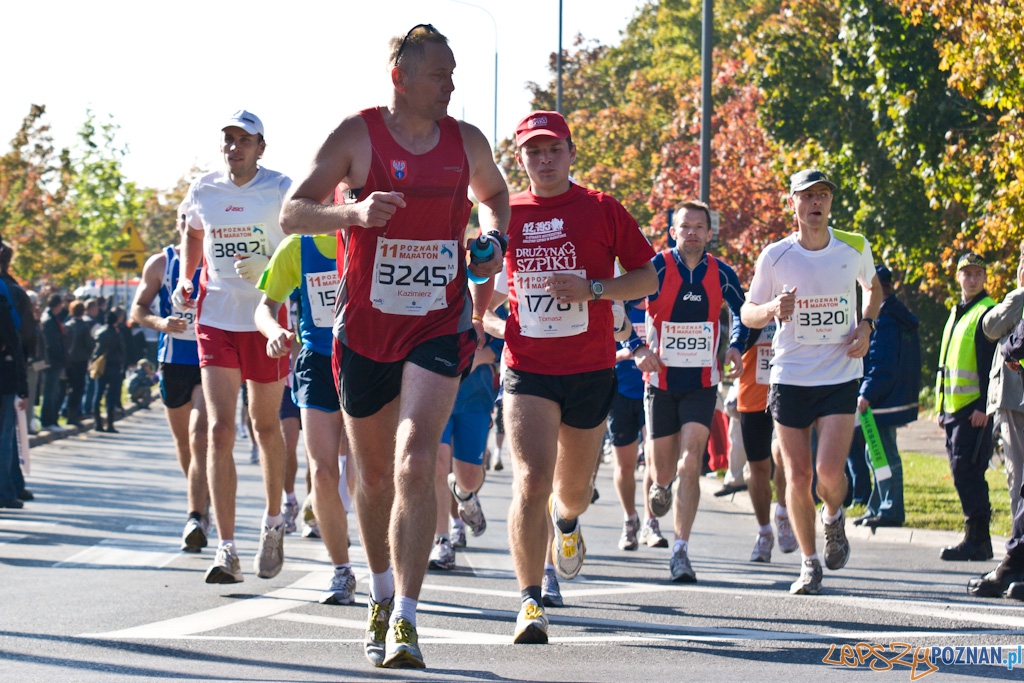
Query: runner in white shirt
232	218
807	282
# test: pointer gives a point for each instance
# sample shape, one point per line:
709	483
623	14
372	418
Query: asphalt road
93	588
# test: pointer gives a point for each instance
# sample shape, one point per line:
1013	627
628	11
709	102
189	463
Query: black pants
76	388
968	460
1015	546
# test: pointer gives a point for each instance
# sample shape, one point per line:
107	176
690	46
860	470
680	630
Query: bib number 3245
410	276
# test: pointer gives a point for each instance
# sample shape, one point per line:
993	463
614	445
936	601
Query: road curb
931	538
85	425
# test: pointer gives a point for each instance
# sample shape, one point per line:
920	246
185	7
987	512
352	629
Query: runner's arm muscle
152	280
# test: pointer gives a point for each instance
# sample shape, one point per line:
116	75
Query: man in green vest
965	357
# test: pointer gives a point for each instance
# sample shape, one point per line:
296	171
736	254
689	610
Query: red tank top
405	283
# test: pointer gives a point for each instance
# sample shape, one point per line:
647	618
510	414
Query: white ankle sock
382	585
405	608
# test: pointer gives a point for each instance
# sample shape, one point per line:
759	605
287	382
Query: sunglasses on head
429	28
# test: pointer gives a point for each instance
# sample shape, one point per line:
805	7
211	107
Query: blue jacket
892	368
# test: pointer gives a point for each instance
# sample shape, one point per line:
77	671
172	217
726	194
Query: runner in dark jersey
180	382
405	327
681	367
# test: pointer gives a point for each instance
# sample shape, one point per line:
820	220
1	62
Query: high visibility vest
958	383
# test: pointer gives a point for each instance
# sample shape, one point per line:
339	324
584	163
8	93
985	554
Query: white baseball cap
245	120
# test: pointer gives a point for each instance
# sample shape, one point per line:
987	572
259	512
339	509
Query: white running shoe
763	548
270	556
787	539
342	590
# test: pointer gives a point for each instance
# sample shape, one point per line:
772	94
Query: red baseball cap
541	123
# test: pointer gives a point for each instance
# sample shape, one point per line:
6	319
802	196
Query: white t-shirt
810	350
236	220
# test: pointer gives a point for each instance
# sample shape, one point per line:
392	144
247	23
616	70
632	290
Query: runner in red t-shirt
559	349
405	327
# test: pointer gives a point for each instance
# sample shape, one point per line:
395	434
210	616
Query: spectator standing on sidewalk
57	361
13	391
1005	389
79	345
892	381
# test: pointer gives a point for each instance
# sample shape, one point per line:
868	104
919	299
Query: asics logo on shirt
231	207
690	296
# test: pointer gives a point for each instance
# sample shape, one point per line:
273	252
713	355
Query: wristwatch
596	289
870	322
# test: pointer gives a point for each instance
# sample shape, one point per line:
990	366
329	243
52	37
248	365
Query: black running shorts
313	382
668	411
584	397
366	385
757	435
177	380
799	407
625	420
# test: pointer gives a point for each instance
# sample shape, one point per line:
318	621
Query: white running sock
405	608
809	557
290	498
272	521
346	499
680	543
764	528
829	519
226	541
780	512
382	585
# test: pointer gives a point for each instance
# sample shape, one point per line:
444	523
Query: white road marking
154	529
6	538
279	603
124	553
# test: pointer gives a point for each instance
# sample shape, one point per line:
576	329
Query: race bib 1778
540	316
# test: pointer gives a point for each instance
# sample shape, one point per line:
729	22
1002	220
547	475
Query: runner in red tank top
405	329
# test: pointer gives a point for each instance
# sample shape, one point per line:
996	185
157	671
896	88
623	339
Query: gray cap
801	180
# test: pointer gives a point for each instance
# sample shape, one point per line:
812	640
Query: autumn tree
981	46
744	190
34	180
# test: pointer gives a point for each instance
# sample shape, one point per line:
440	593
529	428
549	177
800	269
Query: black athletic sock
531	593
194	515
566	526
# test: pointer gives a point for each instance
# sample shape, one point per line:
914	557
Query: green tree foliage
855	88
63	212
981	45
34	178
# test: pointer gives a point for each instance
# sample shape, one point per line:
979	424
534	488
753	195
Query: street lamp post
707	39
558	62
494	139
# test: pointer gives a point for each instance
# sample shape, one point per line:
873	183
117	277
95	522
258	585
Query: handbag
98	367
